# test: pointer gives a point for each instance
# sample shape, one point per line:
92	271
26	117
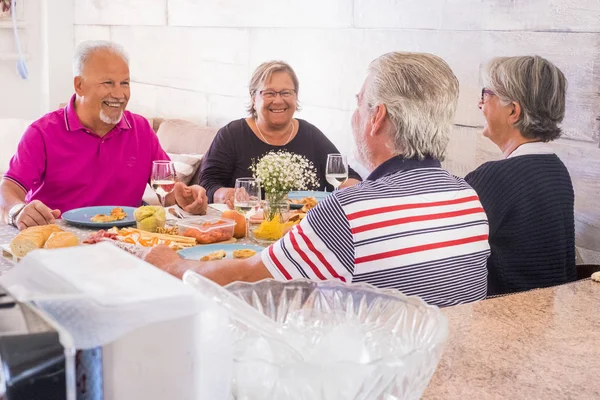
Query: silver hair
537	85
420	93
84	50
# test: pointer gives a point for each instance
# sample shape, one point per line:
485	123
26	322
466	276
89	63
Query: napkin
98	293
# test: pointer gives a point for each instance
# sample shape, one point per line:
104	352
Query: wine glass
246	198
336	171
162	179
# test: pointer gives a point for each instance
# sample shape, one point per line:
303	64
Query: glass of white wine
162	179
246	198
336	171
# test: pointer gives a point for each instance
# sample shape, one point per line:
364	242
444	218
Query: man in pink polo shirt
90	153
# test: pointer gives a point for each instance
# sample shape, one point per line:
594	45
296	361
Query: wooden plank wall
202	53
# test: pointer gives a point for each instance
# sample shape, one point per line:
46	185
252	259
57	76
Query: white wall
192	59
46	35
21	98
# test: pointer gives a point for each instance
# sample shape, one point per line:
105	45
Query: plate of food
101	216
305	200
136	237
213	252
301	194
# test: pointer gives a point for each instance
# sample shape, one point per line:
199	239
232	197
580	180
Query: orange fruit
240	223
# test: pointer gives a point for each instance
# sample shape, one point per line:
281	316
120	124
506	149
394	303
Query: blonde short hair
420	93
538	86
263	74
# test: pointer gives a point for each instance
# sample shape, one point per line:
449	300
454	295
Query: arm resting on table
11	194
222	272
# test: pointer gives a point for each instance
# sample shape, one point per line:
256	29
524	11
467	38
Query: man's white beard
362	154
108	120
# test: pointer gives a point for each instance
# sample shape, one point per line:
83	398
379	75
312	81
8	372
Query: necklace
267	142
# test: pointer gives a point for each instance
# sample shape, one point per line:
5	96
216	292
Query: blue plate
298	195
197	252
81	217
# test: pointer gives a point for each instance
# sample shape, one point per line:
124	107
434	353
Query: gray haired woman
528	196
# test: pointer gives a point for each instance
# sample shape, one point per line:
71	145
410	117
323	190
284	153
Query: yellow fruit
149	218
240	223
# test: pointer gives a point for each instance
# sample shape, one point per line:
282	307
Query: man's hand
36	213
166	259
191	198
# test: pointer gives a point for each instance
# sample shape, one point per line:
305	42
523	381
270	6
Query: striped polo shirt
410	226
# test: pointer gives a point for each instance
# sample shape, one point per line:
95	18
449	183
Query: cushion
186	165
11	131
184	137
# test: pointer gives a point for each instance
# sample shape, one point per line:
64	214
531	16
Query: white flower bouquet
282	171
278	173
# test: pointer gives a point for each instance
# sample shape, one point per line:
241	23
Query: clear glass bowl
355	342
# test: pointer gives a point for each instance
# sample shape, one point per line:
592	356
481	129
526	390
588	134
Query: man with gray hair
409	226
90	153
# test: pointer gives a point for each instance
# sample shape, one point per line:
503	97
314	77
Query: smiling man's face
103	87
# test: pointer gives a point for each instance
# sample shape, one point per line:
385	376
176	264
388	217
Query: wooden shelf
12	57
6	23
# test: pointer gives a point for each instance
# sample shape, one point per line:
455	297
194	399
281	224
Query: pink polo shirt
65	166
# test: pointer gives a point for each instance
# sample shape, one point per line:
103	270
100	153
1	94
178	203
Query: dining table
8	232
539	344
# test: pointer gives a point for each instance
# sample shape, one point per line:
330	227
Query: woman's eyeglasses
485	91
271	94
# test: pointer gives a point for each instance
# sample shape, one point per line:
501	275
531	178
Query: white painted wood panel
326	62
22	99
461	154
335	124
263	13
198	67
466	52
163	102
121	12
90	32
57	70
530	15
210	60
583	162
224	109
336	63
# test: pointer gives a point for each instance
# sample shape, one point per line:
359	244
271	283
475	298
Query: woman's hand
225	196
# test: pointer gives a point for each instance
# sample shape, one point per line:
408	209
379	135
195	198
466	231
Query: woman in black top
271	126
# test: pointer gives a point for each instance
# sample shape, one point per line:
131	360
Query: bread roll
61	239
46	230
31	239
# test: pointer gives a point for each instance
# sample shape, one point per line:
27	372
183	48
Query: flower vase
275	209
